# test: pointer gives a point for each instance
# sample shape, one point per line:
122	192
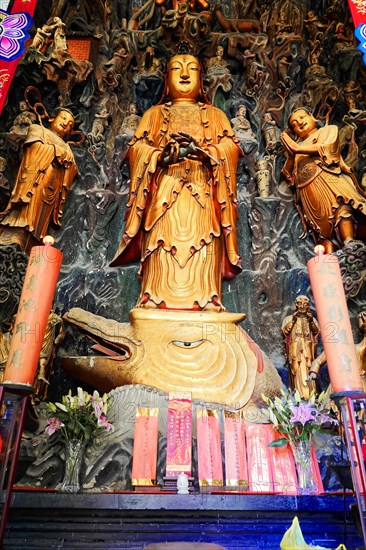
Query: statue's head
302	122
184	78
302	304
241	110
63	122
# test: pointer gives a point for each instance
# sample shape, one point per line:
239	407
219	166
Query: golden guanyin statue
181	219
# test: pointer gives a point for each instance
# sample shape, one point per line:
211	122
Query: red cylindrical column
34	307
335	325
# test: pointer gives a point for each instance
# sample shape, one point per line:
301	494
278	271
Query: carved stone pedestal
206	353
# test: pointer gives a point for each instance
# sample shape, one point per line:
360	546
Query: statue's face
184	77
63	123
242	111
302	123
302	304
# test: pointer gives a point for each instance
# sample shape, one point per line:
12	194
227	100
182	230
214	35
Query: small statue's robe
326	190
45	176
301	339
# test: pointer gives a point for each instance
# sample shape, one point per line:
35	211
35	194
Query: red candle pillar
335	325
34	307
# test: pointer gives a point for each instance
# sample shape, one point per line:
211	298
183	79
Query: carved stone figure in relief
270	130
301	331
217	75
45	176
52	31
130	122
19	129
243	129
181	218
327	194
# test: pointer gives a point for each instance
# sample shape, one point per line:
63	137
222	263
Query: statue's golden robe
181	219
325	187
45	176
301	339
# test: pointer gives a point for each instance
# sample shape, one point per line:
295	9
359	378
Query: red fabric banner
236	468
209	448
260	465
145	446
14	27
358	11
179	440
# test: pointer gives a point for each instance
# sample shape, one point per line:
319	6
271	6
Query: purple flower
323	418
53	424
304	412
103	423
98	408
12	34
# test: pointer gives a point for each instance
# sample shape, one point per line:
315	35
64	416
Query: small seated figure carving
130	122
243	129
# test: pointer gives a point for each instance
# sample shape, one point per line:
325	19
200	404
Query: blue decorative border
360	33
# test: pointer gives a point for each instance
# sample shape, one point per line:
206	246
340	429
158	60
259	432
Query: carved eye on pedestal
182	344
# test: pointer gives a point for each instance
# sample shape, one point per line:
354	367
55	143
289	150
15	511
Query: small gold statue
46	173
181	219
301	331
328	195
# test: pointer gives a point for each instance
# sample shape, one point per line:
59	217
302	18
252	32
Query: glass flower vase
74	452
304	466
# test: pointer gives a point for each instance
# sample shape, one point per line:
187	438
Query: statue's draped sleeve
223	145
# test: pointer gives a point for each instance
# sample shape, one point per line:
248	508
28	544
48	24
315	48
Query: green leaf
281	442
265	399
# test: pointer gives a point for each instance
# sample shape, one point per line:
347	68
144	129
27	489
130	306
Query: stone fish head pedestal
206	353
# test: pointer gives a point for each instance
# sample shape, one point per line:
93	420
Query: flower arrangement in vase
78	419
297	419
